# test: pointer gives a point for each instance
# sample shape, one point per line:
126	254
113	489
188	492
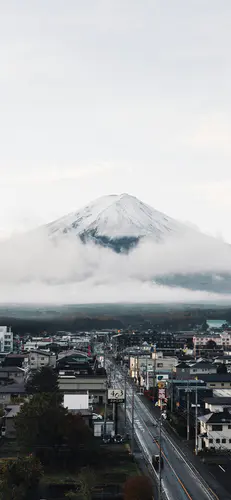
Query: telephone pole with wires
196	420
160	454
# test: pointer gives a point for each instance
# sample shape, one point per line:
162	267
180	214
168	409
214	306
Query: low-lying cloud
35	268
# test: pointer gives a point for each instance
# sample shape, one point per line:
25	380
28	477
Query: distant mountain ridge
121	222
118	222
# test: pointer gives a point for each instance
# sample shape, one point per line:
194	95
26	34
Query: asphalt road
180	479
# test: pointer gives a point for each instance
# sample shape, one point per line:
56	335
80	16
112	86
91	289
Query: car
156	462
118	438
107	439
96	416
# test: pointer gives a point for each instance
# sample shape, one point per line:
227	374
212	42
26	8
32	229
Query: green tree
204	326
86	481
19	478
44	426
221	368
41	421
211	345
43	380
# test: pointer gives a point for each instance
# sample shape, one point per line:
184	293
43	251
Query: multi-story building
222	340
215	431
96	385
184	371
6	339
39	359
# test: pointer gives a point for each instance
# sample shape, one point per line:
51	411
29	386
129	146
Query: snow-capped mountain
118	221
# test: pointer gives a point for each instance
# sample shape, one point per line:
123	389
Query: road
180	479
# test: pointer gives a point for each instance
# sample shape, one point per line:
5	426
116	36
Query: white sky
112	96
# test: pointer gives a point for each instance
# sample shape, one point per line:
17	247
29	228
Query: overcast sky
113	96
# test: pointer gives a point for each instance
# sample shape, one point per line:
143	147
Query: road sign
161	394
161	385
116	395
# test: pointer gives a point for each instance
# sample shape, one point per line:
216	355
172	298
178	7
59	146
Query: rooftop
216	377
13	411
12	389
219	418
11	369
218	401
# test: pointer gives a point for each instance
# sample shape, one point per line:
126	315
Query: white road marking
221	468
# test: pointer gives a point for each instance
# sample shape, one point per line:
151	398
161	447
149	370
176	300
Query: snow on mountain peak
117	216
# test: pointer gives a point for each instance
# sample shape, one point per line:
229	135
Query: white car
96	416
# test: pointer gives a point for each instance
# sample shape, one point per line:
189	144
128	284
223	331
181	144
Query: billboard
116	395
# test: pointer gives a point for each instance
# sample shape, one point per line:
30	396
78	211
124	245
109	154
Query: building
9	374
217	404
192	370
215	431
9	420
6	339
217	380
41	343
156	363
38	359
14	359
222	340
96	385
12	392
73	360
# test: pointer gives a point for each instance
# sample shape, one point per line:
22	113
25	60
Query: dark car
156	462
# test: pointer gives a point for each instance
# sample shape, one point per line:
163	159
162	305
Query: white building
6	339
215	431
39	359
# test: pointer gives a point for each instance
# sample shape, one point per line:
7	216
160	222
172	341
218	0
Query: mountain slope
118	221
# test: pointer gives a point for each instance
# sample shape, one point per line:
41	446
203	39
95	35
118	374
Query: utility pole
196	421
154	372
172	392
125	402
133	415
188	426
160	453
105	411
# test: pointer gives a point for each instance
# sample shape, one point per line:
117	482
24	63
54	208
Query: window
222	383
159	365
211	441
229	440
33	358
223	441
218	440
216	427
229	426
213	385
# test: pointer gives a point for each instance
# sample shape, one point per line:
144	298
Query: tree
19	477
221	368
43	380
87	481
44	426
211	344
40	421
138	488
204	326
